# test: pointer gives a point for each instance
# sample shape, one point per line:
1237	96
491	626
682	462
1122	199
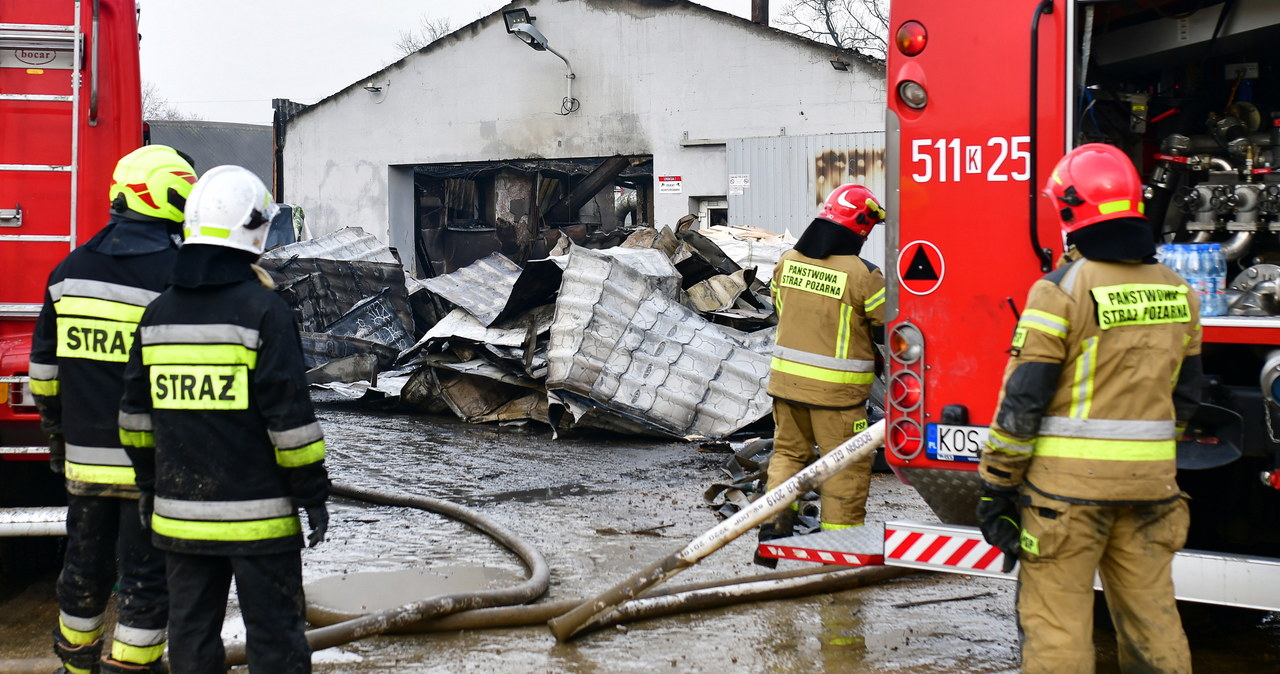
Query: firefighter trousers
1131	548
271	602
796	430
104	536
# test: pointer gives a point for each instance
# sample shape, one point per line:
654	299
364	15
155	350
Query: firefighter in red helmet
830	306
1079	469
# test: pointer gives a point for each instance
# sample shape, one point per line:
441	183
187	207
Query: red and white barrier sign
941	548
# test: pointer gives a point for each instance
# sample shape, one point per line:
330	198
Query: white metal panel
790	176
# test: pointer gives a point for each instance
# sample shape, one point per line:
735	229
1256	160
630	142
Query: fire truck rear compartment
1194	98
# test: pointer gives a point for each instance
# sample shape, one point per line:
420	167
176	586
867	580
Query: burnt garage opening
520	208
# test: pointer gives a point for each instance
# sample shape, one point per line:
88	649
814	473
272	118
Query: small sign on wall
669	185
738	183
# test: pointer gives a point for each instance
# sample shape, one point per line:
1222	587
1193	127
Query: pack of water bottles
1205	269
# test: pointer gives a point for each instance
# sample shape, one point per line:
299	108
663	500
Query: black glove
57	454
146	506
318	521
1000	523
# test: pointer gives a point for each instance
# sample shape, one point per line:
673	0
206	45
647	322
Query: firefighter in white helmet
1079	469
221	429
92	305
830	306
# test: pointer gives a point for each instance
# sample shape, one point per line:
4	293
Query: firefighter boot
76	659
781	526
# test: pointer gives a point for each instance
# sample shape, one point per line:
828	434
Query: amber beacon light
912	38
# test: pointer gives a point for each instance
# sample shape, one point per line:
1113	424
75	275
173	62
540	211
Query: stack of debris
663	335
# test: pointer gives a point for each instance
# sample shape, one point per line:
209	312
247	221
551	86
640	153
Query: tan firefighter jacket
1104	373
823	356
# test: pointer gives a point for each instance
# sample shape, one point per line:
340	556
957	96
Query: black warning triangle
921	267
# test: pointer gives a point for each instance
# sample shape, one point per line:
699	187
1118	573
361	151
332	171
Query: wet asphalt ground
599	507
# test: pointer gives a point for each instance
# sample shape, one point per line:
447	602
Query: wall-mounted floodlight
839	64
520	24
372	88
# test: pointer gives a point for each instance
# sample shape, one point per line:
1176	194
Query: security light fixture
372	88
839	64
520	24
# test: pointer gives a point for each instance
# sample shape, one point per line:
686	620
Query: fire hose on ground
627	601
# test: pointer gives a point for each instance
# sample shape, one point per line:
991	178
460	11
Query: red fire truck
70	106
984	97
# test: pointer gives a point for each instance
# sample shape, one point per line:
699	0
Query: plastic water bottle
1173	258
1198	275
1218	279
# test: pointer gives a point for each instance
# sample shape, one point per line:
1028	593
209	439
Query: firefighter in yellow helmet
91	309
1080	465
830	306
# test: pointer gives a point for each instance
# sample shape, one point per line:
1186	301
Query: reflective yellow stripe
821	373
1106	450
811	278
208	231
200	387
1141	304
874	301
202	354
1082	387
306	454
1001	442
95	308
95	339
137	438
1044	322
252	530
831	527
842	331
45	388
1118	205
1177	369
141	655
79	472
76	637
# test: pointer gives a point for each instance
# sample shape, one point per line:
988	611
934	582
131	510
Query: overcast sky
224	60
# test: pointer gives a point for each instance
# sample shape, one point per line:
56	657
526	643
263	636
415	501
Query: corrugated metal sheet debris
622	340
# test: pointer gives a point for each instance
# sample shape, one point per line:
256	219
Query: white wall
652	79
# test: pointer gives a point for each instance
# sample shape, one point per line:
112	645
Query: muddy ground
599	507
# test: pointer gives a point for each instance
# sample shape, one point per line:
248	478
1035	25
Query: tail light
906	439
905	391
906	343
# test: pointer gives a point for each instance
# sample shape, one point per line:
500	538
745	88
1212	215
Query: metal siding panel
785	190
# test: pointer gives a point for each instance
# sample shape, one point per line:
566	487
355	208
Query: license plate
946	442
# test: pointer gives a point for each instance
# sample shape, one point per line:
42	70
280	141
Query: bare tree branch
156	106
850	24
429	30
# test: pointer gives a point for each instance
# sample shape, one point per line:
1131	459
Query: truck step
855	546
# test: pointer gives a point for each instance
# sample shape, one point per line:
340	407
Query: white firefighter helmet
229	207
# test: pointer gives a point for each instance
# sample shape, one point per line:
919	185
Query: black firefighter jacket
216	413
92	304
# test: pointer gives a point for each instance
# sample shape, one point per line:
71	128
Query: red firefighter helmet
853	206
1094	183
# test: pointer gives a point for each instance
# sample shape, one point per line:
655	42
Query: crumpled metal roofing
622	340
350	243
482	288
